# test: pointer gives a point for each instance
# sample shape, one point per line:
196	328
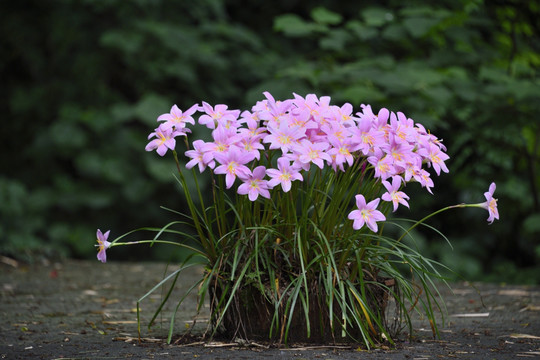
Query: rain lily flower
400	152
284	175
216	114
251	144
103	245
491	204
178	119
164	139
383	165
340	153
233	165
273	110
365	137
425	180
366	214
393	194
198	156
436	157
344	113
402	128
313	152
283	137
254	185
318	108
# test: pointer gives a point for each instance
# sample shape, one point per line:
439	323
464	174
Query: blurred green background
83	82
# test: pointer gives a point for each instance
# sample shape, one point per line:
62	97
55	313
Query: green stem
433	214
157	241
207	245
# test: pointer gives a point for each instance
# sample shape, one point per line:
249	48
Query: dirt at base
87	310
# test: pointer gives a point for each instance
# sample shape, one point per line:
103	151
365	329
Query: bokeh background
82	83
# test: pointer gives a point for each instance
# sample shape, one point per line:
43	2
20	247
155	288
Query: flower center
231	168
285	139
493	204
366	214
285	176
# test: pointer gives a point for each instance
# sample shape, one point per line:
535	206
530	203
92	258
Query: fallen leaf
524	336
467	315
9	261
514	292
530	308
130	339
111	301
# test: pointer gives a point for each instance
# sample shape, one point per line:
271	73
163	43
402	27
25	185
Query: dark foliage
83	82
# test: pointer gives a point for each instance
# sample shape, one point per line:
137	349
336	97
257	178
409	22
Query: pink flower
383	165
103	245
199	156
254	185
491	204
365	137
413	168
402	128
217	114
251	145
273	110
424	179
340	153
252	122
393	194
283	137
164	139
313	153
334	130
283	175
436	157
366	214
223	139
318	108
232	165
178	119
401	152
343	114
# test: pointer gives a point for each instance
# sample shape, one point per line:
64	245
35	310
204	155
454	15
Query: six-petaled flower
366	214
491	204
393	194
102	245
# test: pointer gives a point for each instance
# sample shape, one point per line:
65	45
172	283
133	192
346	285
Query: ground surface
86	310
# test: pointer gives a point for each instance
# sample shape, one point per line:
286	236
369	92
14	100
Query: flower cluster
304	132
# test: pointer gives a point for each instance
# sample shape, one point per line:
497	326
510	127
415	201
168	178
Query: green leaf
532	223
359	94
377	16
361	30
419	26
394	32
325	16
294	26
336	40
150	107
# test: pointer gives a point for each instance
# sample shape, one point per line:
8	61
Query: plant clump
293	237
